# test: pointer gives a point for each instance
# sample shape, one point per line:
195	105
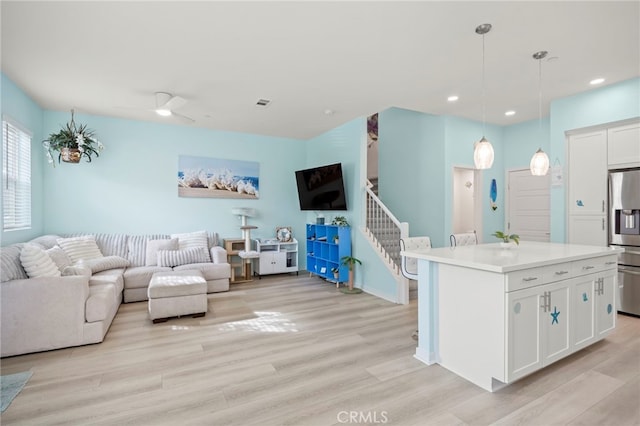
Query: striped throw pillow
80	248
37	263
183	257
193	239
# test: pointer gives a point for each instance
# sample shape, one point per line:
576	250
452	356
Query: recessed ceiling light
163	112
328	111
452	98
510	113
596	81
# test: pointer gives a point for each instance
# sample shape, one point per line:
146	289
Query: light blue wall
411	152
16	105
611	103
132	186
418	152
522	140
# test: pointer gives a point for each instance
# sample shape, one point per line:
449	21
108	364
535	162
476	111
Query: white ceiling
354	58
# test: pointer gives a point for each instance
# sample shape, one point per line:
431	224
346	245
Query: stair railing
384	227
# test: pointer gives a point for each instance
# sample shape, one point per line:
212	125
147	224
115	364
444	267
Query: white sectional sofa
77	308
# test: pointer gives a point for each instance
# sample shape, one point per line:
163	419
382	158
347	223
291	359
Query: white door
528	211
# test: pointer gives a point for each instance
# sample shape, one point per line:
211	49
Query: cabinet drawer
561	271
597	264
517	280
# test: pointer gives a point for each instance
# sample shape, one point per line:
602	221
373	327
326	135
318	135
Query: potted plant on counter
350	262
507	239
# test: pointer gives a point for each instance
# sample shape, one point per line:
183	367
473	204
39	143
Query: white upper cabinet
624	146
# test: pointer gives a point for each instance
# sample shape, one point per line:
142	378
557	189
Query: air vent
263	103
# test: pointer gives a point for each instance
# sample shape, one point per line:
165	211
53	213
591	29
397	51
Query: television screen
321	188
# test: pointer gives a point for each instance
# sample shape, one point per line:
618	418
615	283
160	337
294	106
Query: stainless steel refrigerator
624	231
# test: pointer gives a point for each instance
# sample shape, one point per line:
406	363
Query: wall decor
283	234
493	195
204	177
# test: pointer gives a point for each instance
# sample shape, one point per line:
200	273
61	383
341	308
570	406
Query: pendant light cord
540	95
483	91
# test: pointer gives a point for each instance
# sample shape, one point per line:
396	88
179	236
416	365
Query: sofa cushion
154	245
104	263
10	265
59	257
210	271
78	248
139	276
182	256
37	263
111	276
101	298
193	239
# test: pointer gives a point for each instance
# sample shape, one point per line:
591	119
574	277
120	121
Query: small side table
240	269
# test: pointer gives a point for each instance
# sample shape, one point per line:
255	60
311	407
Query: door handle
561	272
586	268
530	279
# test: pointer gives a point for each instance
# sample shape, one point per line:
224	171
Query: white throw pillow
59	257
154	245
182	257
37	263
80	248
193	239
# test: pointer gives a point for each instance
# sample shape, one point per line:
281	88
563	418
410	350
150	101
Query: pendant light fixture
539	165
483	151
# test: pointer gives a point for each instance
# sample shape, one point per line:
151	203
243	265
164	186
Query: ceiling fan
166	104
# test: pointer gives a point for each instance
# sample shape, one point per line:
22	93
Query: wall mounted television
321	188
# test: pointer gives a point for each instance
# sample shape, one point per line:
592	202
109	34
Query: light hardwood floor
289	350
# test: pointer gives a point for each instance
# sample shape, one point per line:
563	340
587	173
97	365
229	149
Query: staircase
384	231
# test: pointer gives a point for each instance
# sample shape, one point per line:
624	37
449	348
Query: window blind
16	177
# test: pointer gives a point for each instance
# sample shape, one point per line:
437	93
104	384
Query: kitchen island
493	314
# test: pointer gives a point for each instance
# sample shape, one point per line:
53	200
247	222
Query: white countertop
492	257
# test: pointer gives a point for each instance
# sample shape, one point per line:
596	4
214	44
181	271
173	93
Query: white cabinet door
272	262
605	304
588	230
556	320
588	173
583	312
538	328
523	332
624	146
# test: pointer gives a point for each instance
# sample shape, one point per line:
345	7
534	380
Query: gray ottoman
177	293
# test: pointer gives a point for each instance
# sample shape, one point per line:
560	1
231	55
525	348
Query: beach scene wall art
204	177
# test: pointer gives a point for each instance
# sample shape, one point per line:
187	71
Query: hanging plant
72	143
